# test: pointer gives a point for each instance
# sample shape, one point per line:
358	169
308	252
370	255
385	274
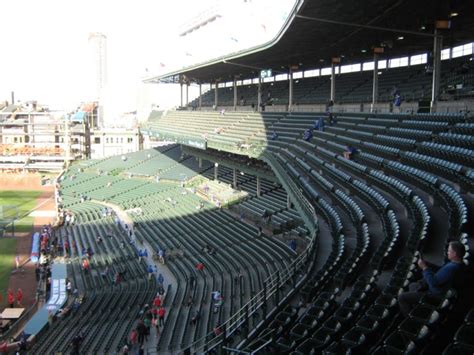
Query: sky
45	47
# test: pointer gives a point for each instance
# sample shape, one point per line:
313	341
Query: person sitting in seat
308	134
436	280
349	152
195	317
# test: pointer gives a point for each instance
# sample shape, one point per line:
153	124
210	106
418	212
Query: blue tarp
35	245
56	300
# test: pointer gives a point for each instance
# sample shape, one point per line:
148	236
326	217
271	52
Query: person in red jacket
85	264
133	337
19	297
161	316
11	298
157	301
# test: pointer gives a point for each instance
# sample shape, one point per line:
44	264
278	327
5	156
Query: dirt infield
10	181
24	278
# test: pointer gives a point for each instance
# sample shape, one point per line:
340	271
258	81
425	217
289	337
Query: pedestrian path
169	283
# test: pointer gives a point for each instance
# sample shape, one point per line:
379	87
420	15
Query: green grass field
25	201
7	257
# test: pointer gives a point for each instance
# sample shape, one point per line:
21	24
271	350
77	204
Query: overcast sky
44	45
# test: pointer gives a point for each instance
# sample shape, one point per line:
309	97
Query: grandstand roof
311	43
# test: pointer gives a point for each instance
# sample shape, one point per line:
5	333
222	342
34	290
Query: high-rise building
98	56
98	69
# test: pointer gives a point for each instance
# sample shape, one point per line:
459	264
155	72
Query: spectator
200	266
161	256
436	280
330	106
349	152
141	330
85	265
190	301
157	301
76	343
150	272
397	99
274	136
147	322
319	124
66	247
37	273
161	316
117	278
195	318
160	279
125	349
134	337
217	331
308	134
216	295
11	299
292	245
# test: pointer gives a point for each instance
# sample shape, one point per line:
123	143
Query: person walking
141	329
161	316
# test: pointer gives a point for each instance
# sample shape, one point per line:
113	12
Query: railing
271	289
300	201
276	281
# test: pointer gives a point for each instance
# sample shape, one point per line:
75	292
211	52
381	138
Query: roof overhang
315	31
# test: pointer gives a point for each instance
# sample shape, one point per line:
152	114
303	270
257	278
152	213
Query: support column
235	94
290	95
259	93
216	170
216	95
200	98
333	82
67	143
288	201
181	93
438	44
234	178
375	82
187	94
258	186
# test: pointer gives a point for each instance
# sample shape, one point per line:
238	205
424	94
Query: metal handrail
274	281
